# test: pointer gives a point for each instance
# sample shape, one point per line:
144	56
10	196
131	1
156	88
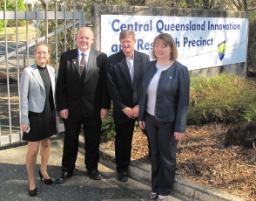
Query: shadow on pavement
80	187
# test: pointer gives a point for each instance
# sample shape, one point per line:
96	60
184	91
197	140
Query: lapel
75	61
137	67
52	77
90	65
125	69
151	72
37	75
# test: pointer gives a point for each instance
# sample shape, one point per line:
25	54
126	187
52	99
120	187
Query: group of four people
155	93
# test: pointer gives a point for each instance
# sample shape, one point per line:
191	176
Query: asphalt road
80	187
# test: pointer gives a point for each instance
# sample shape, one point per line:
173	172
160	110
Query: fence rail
56	26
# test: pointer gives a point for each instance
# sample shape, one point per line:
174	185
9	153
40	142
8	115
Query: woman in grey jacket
37	88
163	112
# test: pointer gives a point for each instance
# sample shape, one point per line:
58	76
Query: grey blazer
32	92
172	97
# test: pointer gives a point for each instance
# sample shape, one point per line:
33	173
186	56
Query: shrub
250	112
1	25
224	98
107	129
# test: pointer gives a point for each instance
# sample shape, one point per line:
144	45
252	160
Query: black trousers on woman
163	154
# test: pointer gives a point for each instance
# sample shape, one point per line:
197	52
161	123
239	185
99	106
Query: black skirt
42	126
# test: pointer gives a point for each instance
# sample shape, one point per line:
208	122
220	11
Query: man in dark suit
82	100
124	81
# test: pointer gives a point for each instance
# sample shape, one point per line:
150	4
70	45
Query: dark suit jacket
85	94
172	97
123	91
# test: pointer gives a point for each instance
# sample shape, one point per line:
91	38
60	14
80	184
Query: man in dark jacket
82	100
124	81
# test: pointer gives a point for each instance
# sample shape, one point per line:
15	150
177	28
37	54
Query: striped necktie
82	64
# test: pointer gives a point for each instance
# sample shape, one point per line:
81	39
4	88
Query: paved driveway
13	181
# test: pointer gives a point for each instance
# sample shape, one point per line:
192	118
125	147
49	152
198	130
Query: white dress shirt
130	64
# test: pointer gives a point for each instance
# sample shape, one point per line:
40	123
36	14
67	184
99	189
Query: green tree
21	6
10	6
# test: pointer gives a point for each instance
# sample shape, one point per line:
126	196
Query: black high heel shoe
32	192
46	181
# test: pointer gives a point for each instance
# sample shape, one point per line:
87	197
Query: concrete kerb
140	171
202	193
183	188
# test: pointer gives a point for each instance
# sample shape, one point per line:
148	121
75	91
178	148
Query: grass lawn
11	33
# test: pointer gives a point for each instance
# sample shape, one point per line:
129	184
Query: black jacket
86	93
123	91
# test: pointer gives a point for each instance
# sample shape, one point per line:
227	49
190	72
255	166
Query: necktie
82	64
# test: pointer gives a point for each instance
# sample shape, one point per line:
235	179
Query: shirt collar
86	52
130	58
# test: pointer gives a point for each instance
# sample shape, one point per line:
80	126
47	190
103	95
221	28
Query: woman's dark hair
168	41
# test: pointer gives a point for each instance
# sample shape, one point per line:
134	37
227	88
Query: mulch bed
203	159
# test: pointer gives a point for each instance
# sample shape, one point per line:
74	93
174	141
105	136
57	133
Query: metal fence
52	22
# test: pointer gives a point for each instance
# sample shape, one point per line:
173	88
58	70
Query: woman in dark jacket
163	112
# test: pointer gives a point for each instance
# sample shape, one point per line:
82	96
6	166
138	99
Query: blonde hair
48	48
168	41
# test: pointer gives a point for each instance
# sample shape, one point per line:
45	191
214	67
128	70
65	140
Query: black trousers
123	144
163	154
91	128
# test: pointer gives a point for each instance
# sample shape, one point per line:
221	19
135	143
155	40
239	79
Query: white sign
202	41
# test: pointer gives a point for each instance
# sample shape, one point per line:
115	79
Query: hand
142	124
63	113
178	136
103	113
128	112
135	111
24	128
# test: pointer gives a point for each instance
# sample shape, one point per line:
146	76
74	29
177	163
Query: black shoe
32	192
94	174
48	181
63	177
122	176
152	195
